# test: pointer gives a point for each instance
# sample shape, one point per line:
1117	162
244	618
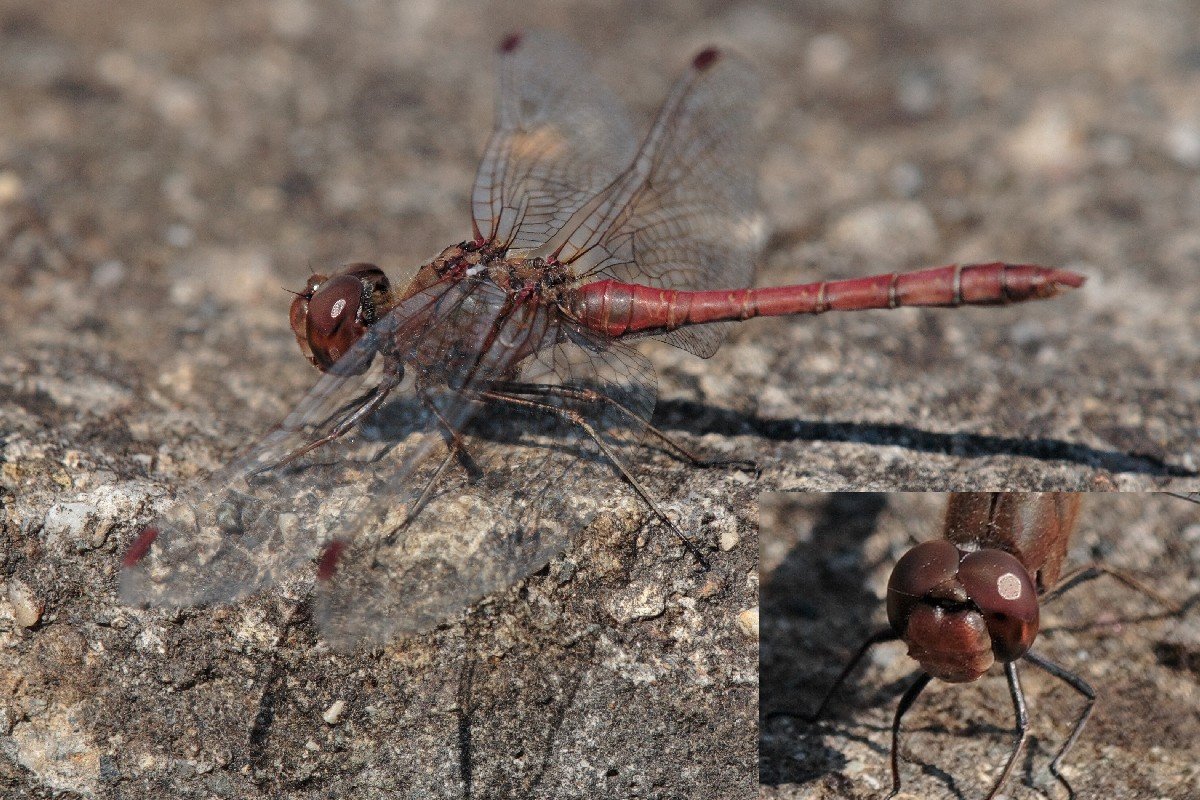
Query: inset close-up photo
980	645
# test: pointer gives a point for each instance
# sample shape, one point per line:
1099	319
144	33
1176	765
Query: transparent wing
257	520
543	478
559	138
684	215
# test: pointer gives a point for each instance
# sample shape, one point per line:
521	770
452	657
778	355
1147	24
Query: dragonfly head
959	612
332	313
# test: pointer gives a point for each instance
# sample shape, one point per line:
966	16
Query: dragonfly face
331	314
959	612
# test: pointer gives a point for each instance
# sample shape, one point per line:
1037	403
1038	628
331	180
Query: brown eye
333	323
1001	587
921	570
298	315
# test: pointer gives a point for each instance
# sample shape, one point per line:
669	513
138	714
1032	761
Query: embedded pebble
10	187
108	274
27	607
1183	144
84	522
827	55
636	603
729	538
334	713
747	622
1049	141
57	750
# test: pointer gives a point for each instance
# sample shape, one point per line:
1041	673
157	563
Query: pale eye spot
1008	586
337	309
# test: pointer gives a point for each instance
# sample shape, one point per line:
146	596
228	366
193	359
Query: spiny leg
1089	572
346	408
455	448
906	701
423	498
454	441
575	419
1018	699
374	400
593	396
879	637
1080	685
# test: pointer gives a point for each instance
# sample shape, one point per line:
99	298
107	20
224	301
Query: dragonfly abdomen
622	308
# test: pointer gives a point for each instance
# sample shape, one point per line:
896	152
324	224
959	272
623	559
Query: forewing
543	480
256	521
559	138
685	214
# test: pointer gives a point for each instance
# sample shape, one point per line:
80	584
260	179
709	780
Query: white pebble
334	712
27	607
747	622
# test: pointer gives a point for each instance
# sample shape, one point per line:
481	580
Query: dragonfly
511	355
972	600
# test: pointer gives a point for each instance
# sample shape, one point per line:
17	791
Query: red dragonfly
582	241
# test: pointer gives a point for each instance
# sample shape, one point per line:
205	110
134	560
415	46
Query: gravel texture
825	565
166	170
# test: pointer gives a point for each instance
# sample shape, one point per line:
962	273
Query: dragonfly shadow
700	418
813	597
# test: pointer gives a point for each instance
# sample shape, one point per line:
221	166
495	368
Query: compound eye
298	314
921	570
333	324
1000	586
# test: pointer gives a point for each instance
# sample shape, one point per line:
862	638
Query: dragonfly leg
1092	571
1018	700
370	403
455	443
348	408
593	396
1078	684
576	419
423	498
455	448
879	637
906	701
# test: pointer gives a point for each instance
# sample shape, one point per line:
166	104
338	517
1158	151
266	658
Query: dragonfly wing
254	522
685	214
559	138
543	479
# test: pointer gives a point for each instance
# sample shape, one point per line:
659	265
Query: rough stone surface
825	566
